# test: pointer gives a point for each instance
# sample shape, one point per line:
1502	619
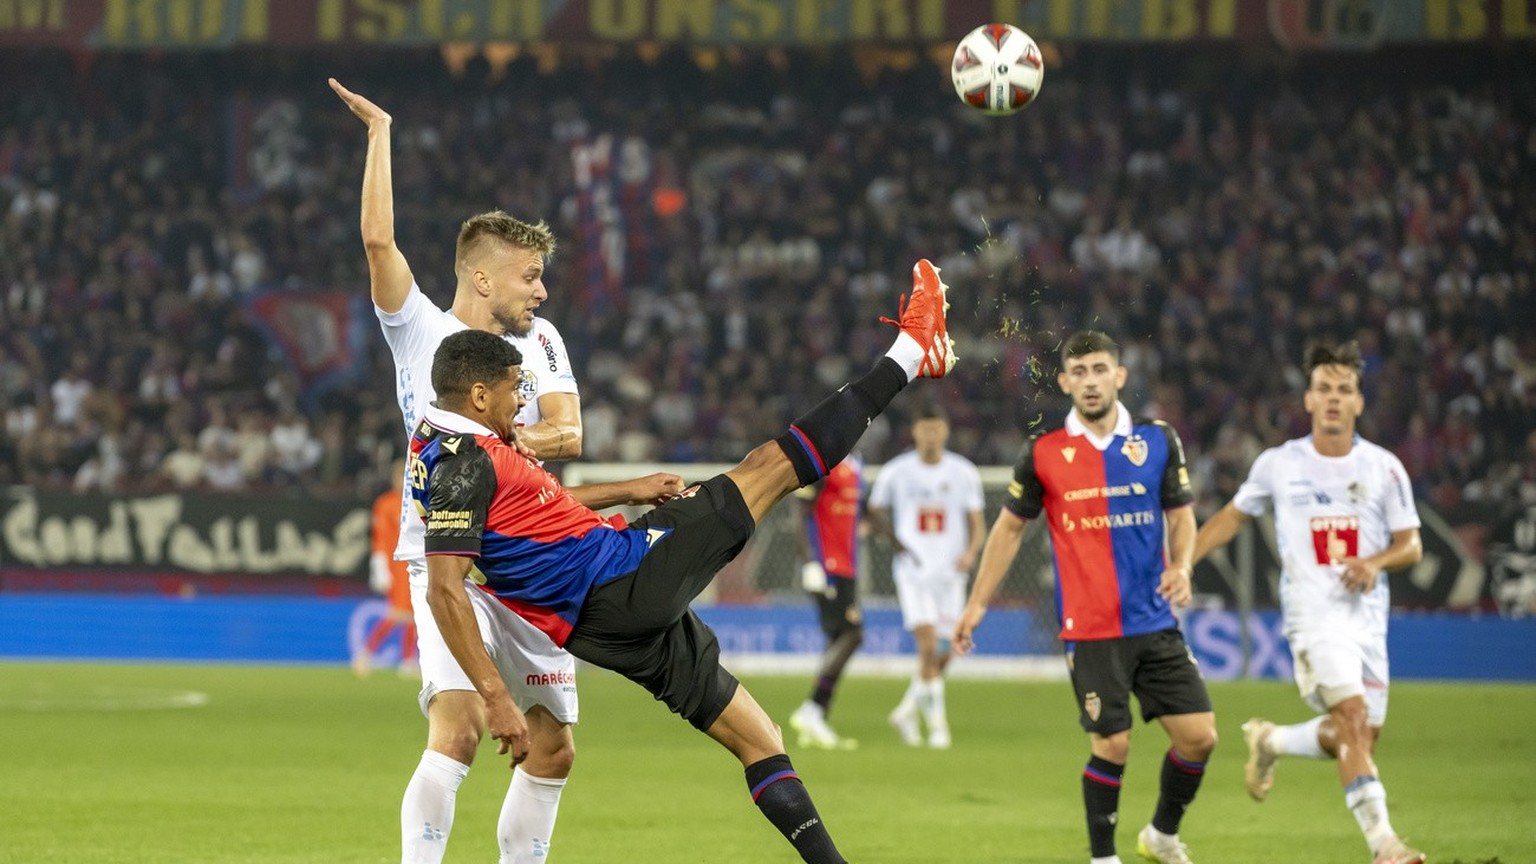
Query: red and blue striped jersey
540	551
833	524
1105	511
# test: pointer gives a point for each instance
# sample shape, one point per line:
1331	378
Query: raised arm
389	275
1218	530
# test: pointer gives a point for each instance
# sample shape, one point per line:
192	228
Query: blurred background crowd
731	229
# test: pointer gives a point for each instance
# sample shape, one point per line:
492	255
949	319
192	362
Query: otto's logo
1135	450
1335	538
549	679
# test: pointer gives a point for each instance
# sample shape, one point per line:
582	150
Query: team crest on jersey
1092	706
1356	493
1135	449
529	383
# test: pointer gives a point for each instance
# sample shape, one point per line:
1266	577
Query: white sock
528	818
1367	799
934	710
907	354
1113	859
912	698
426	813
1299	739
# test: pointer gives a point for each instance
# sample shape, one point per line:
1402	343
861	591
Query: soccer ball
997	69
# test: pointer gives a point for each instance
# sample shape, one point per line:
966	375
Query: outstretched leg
821	438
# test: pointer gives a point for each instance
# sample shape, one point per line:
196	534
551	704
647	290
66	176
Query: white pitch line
103	699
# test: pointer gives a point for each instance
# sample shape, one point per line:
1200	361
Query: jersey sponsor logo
1335	538
1322	497
449	520
549	353
1100	522
930	520
1135	449
1069	453
549	679
1092	706
1093	492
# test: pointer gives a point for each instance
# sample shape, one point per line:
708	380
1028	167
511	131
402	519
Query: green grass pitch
307	764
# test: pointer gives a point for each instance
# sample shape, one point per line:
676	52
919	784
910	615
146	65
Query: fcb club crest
1092	706
1135	450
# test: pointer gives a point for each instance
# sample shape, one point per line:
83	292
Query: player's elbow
377	242
570	439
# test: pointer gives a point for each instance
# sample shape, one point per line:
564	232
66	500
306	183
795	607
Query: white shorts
1334	665
537	671
935	601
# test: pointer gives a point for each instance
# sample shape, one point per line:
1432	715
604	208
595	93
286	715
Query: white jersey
413	334
930	508
1328	509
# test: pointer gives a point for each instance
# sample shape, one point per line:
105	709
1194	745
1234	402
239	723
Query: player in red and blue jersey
830	545
1116	492
615	594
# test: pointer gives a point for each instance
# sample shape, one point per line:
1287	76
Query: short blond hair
498	225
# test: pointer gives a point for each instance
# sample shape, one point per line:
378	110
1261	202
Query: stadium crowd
731	231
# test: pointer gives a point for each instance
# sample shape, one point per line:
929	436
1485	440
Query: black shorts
639	624
1158	667
838	605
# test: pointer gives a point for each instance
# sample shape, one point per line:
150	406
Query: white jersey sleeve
880	494
975	499
1397	509
1258	491
546	368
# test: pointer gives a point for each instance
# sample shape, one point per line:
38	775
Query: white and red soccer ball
997	69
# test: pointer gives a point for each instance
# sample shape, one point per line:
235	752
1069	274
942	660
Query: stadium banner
183	533
1429	646
1301	24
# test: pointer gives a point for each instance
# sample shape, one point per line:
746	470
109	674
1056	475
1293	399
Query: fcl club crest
1092	706
1135	449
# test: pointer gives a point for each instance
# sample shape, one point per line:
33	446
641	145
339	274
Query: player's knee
855	635
556	757
1115	748
1199	746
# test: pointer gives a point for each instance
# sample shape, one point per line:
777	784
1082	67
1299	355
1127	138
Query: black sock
1181	780
1101	798
783	799
816	442
833	660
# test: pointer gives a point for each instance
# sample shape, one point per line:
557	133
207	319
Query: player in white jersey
1344	515
928	502
499	265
